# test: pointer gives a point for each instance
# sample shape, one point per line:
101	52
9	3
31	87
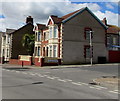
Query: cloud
16	13
112	18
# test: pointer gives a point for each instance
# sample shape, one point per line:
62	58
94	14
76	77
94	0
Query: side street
73	56
66	82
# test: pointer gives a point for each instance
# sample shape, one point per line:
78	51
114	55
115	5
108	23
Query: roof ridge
70	14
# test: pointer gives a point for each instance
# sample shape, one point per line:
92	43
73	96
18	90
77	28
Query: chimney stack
29	19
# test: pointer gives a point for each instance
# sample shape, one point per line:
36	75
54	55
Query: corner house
67	38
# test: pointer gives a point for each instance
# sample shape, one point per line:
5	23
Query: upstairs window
115	42
55	32
44	35
39	37
87	32
50	32
35	36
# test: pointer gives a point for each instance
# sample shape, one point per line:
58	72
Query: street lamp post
91	58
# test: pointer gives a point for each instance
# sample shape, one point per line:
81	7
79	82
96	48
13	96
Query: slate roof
67	17
41	26
112	29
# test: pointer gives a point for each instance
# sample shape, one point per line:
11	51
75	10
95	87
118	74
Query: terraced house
11	46
68	38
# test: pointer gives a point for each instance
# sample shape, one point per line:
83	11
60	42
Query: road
57	83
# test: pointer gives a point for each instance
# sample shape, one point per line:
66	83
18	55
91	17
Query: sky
13	13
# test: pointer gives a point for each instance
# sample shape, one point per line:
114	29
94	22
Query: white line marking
12	70
101	87
95	88
76	83
55	77
114	92
40	75
45	75
17	71
83	83
68	80
62	80
50	77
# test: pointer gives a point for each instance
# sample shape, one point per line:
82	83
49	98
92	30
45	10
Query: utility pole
91	58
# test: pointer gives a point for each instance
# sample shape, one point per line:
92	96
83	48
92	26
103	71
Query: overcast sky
13	14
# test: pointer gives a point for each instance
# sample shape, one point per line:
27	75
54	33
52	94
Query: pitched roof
70	14
112	29
29	24
55	19
41	26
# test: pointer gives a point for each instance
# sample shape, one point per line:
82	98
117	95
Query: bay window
55	32
50	32
54	51
38	51
50	51
38	36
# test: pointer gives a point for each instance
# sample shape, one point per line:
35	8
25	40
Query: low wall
23	60
13	61
46	61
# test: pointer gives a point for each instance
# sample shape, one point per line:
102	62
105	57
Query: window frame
55	34
55	51
86	29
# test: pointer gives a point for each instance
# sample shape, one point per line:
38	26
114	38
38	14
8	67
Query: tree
28	41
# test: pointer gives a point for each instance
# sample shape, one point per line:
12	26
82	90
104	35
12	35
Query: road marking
55	77
100	87
83	83
7	70
62	80
12	70
76	83
50	78
17	71
45	75
68	80
114	92
40	75
95	88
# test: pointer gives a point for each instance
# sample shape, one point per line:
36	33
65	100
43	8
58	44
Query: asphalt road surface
57	83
